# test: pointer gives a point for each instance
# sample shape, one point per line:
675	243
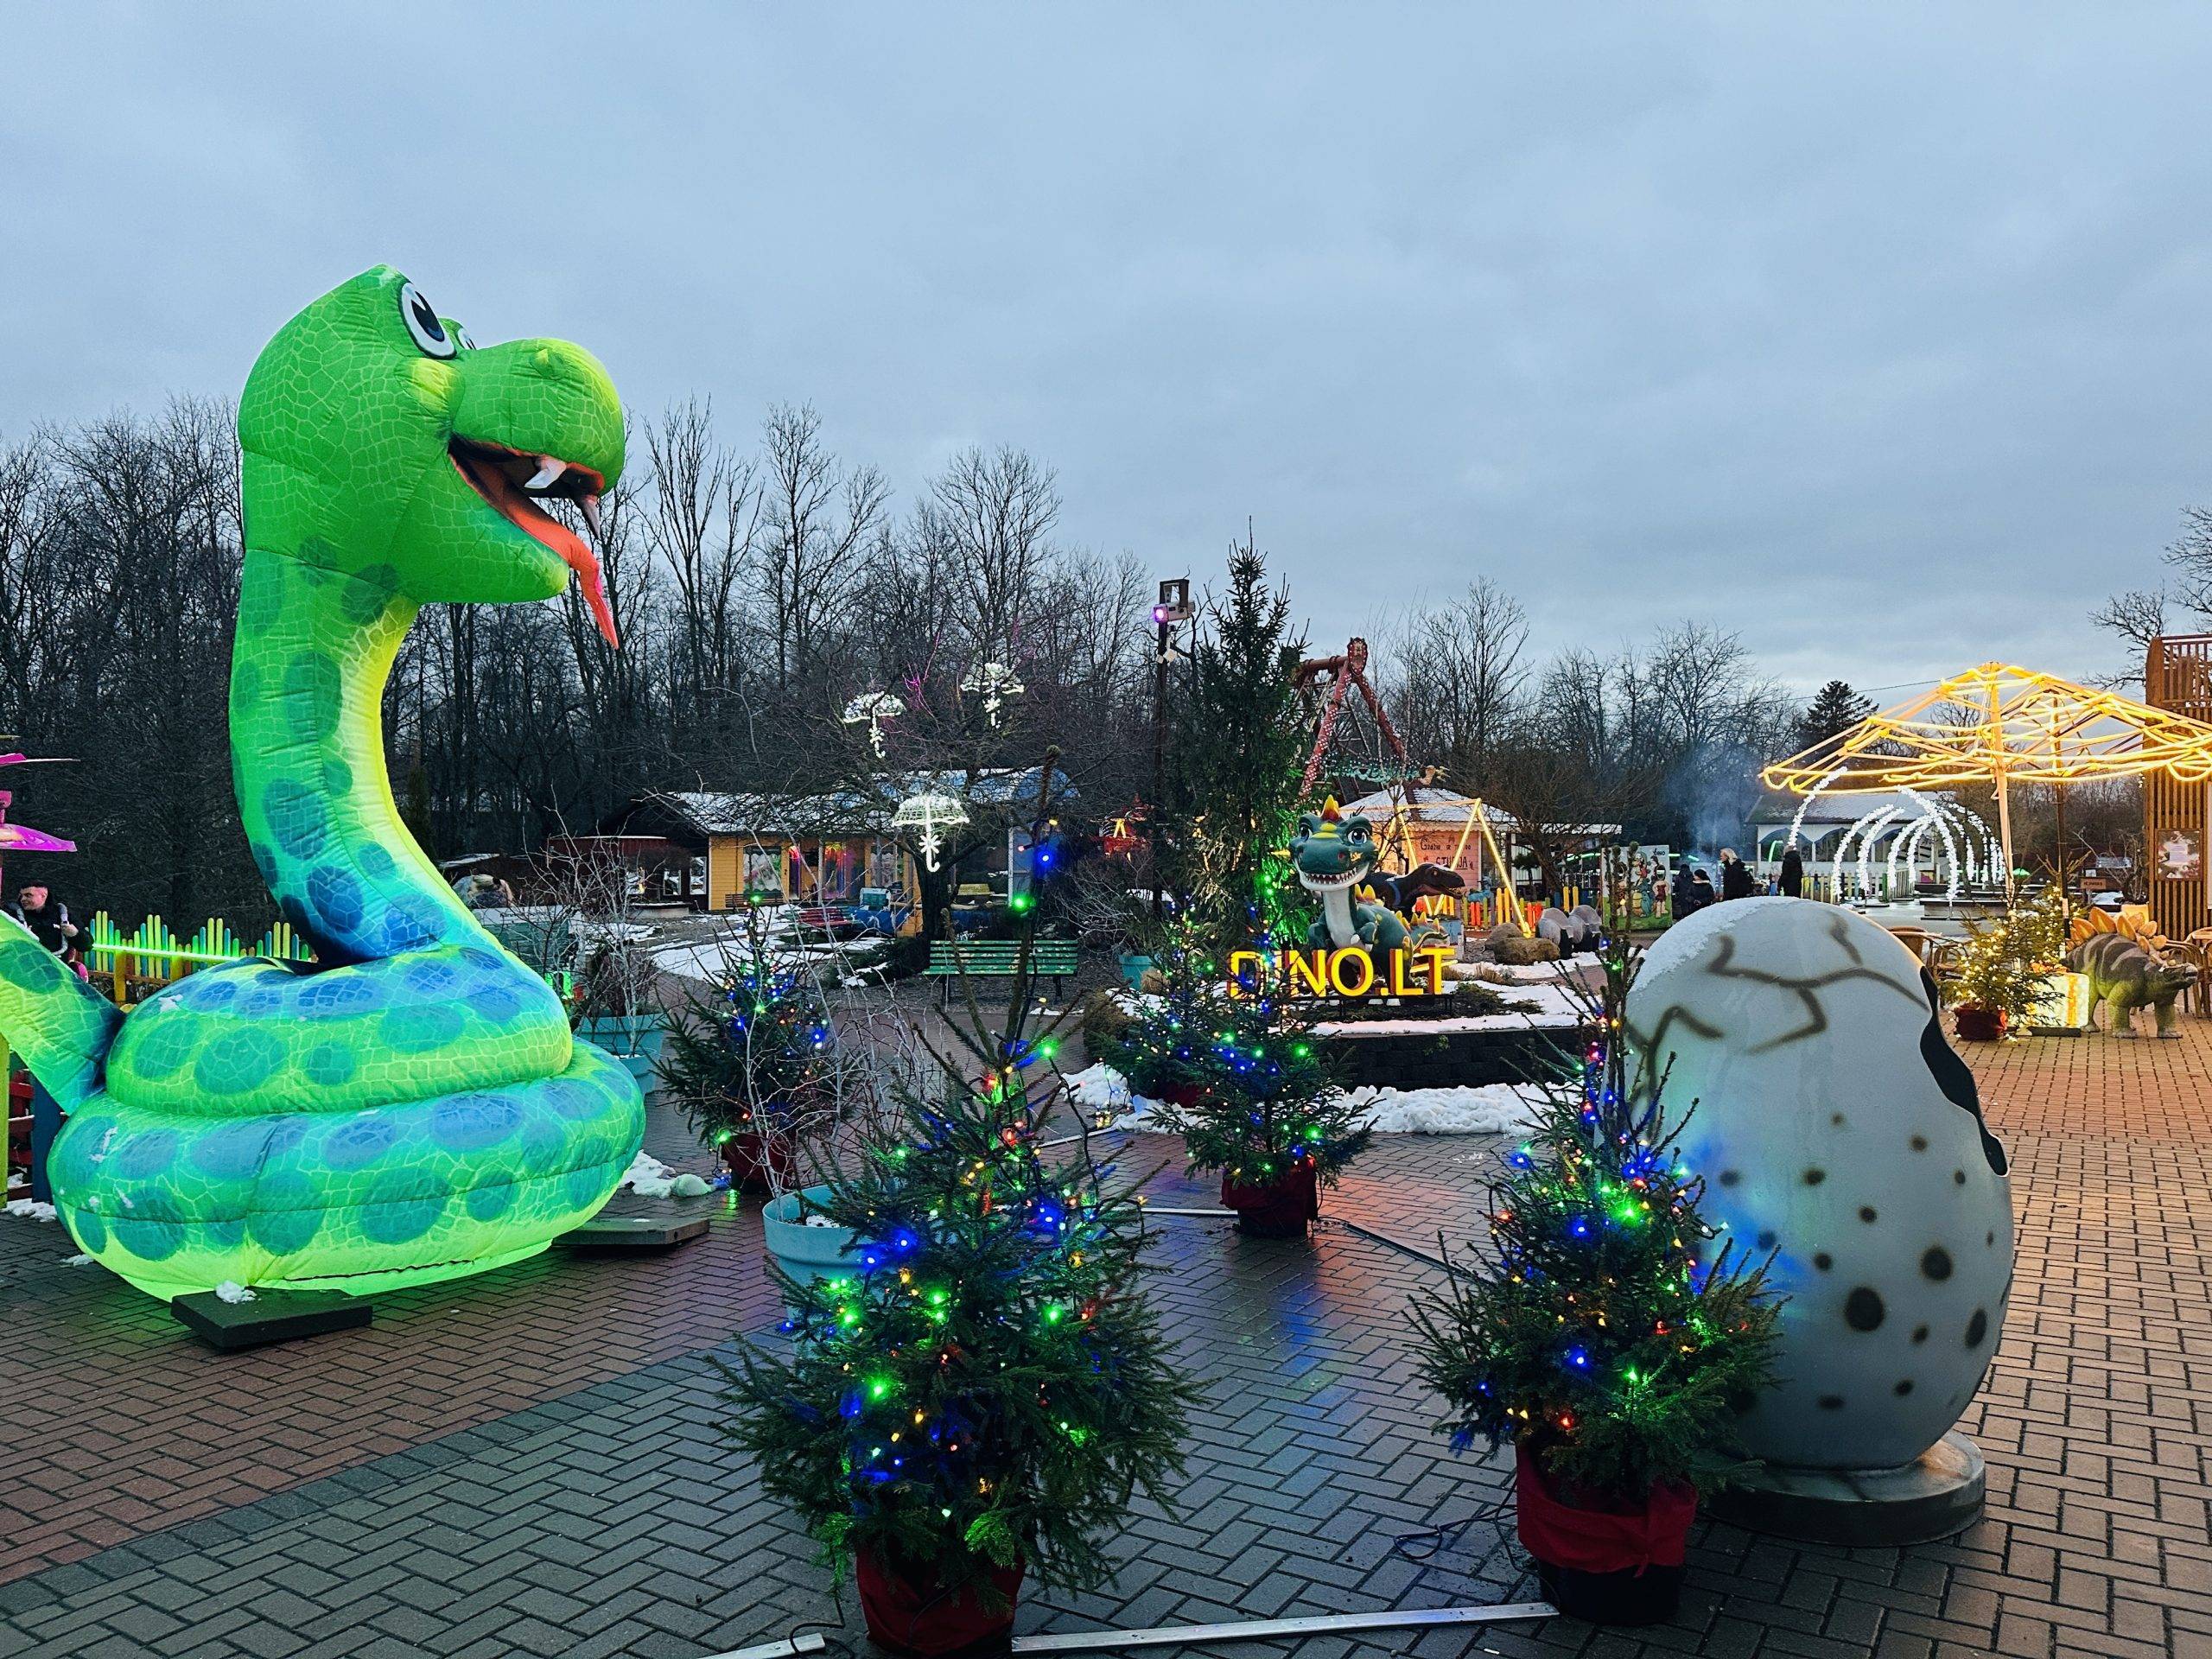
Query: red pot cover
1981	1024
753	1160
920	1618
1290	1200
1600	1541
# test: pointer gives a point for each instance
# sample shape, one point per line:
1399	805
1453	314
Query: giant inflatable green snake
410	1106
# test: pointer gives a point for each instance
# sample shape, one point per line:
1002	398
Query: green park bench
1052	959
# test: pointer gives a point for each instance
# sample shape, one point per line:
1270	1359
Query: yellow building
772	849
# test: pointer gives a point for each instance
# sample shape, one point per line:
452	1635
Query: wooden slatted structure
2177	675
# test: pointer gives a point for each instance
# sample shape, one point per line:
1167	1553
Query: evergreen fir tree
1240	747
756	1055
1238	1074
1834	708
988	1386
1601	1331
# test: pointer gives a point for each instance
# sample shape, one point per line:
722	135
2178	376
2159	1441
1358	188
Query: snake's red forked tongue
585	563
577	553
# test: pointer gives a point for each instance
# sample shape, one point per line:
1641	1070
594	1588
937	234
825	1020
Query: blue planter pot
1133	969
632	1039
802	1251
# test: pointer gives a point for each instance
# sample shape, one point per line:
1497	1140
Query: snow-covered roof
1425	804
845	811
1840	809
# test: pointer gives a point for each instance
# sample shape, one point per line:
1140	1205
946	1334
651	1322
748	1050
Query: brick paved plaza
528	1462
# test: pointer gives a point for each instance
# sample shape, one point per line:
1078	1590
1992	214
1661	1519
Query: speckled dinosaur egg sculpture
1834	1127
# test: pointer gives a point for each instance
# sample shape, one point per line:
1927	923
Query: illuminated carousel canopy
1999	724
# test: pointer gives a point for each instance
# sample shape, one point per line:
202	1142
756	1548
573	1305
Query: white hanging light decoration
997	682
932	813
874	708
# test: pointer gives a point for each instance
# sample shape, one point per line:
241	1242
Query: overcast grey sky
1881	336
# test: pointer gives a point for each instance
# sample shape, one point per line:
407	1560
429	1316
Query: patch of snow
589	932
810	1220
1531	1006
1490	1109
37	1209
76	1261
230	1291
1099	1088
1487	1108
688	1185
647	1177
1537	973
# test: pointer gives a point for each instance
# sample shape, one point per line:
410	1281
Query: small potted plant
753	1063
1604	1333
1241	1078
611	992
977	1398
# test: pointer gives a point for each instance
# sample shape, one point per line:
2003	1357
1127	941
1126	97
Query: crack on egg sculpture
1834	1127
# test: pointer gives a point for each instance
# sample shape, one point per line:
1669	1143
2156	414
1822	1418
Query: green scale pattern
412	1106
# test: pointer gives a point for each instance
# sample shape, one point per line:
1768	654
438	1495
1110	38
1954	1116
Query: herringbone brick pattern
564	1488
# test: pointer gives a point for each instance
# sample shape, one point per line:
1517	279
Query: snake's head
380	440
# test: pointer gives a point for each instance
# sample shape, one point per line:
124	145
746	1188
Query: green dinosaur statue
412	1106
1335	855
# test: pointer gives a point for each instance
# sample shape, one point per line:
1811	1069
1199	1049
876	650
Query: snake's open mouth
511	482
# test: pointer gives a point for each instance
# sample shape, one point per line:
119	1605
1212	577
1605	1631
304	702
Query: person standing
1735	875
47	918
1790	884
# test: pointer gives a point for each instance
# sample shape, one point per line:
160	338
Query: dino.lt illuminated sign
1347	971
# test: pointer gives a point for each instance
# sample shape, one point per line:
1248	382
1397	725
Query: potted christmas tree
753	1063
984	1389
1241	1078
1604	1333
2007	967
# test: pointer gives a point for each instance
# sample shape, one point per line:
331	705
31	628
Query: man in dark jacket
1791	882
1735	875
47	917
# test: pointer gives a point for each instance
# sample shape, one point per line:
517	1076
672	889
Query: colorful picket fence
140	962
1483	911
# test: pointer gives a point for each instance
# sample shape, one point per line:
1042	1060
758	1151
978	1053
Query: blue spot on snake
471	1122
330	1066
419	1029
359	1141
142	1155
243	1060
298	818
337	895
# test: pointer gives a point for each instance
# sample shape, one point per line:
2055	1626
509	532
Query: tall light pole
1172	607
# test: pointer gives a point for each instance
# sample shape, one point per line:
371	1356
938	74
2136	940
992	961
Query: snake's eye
422	319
